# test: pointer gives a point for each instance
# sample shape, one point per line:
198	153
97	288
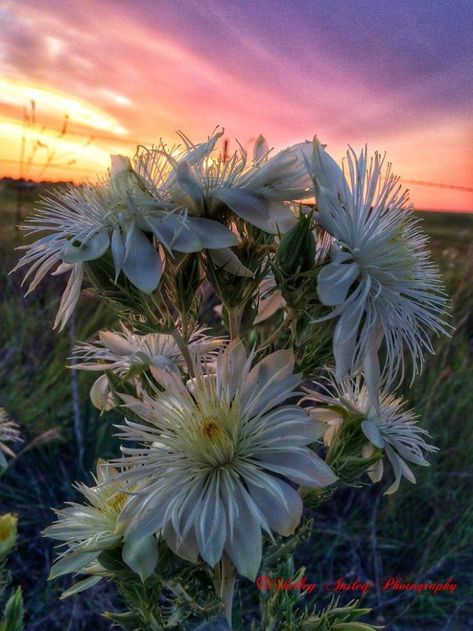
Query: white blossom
126	353
391	429
220	457
86	530
380	280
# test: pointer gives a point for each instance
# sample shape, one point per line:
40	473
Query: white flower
219	457
391	428
81	223
126	353
254	189
86	530
380	280
9	433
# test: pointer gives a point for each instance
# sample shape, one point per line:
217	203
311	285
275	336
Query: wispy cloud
391	74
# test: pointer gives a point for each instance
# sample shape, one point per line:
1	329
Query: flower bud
296	252
8	534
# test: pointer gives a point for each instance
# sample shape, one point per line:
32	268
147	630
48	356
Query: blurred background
79	81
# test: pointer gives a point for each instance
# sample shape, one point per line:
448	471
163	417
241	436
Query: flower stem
183	347
290	316
234	317
226	576
178	338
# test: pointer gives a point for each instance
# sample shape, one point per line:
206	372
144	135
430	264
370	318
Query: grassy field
424	532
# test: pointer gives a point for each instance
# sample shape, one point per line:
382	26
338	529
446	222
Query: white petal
283	516
188	181
229	262
210	527
186	547
80	586
72	562
101	396
301	466
268	306
117	343
260	148
251	207
334	281
92	249
142	264
244	547
326	170
372	433
70	296
118	249
212	234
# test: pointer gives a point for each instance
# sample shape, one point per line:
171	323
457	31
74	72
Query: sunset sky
396	74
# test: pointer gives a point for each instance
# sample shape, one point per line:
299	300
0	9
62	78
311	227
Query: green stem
226	577
183	347
178	338
234	317
290	316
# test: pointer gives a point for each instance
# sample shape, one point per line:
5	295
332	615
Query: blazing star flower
380	281
126	352
83	222
219	457
9	433
89	529
391	428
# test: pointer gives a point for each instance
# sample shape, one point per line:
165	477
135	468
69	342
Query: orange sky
125	72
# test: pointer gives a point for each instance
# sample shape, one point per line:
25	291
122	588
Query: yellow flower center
117	501
211	430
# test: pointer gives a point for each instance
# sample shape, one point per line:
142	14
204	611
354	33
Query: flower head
120	215
208	184
218	459
86	530
9	433
126	353
391	429
380	281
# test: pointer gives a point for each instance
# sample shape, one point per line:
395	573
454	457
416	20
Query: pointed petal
229	262
142	264
212	234
334	282
283	515
251	207
188	181
245	546
92	249
303	467
372	433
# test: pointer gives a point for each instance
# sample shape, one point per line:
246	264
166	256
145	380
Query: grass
424	532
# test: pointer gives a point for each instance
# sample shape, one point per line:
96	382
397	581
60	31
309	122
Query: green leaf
80	586
13	620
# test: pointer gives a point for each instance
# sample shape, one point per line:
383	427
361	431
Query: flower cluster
220	440
172	199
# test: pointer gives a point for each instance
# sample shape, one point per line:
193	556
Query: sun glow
59	104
